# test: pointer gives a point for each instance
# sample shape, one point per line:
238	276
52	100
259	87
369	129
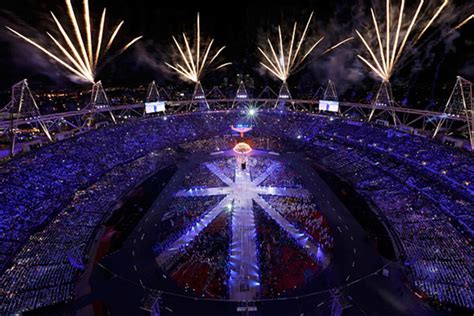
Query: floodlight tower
152	97
199	98
288	57
152	93
216	94
284	96
23	109
319	94
192	64
99	102
73	56
460	104
330	93
329	101
241	97
384	102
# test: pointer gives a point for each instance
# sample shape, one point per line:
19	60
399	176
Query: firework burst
288	57
80	56
192	62
396	40
457	27
287	60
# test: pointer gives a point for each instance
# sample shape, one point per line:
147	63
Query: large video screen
329	106
154	107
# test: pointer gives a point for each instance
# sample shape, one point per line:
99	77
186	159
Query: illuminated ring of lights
242	148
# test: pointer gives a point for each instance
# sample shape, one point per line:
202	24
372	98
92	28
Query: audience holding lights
53	198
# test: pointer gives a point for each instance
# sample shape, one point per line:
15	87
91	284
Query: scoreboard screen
154	107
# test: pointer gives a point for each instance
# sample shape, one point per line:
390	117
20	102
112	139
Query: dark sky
236	24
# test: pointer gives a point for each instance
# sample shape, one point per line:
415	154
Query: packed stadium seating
421	188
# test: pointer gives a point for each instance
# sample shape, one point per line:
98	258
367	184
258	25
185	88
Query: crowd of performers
203	267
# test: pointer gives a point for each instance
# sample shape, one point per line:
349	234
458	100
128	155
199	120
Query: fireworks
464	22
397	40
193	64
287	61
290	56
337	45
80	56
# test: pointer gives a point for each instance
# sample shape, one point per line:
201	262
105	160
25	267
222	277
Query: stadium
235	201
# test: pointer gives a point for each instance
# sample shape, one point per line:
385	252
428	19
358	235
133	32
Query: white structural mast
455	123
284	96
383	104
22	110
152	93
99	101
241	96
330	93
460	104
216	93
199	98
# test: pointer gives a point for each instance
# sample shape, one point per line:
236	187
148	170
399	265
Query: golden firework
290	56
78	55
192	63
398	38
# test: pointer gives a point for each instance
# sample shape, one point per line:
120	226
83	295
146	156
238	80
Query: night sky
238	25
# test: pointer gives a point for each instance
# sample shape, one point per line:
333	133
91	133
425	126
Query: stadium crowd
304	213
46	267
414	181
73	183
182	213
203	269
435	253
259	166
284	266
282	177
421	188
191	269
226	166
201	176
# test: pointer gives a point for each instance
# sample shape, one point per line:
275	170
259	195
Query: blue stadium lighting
359	151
